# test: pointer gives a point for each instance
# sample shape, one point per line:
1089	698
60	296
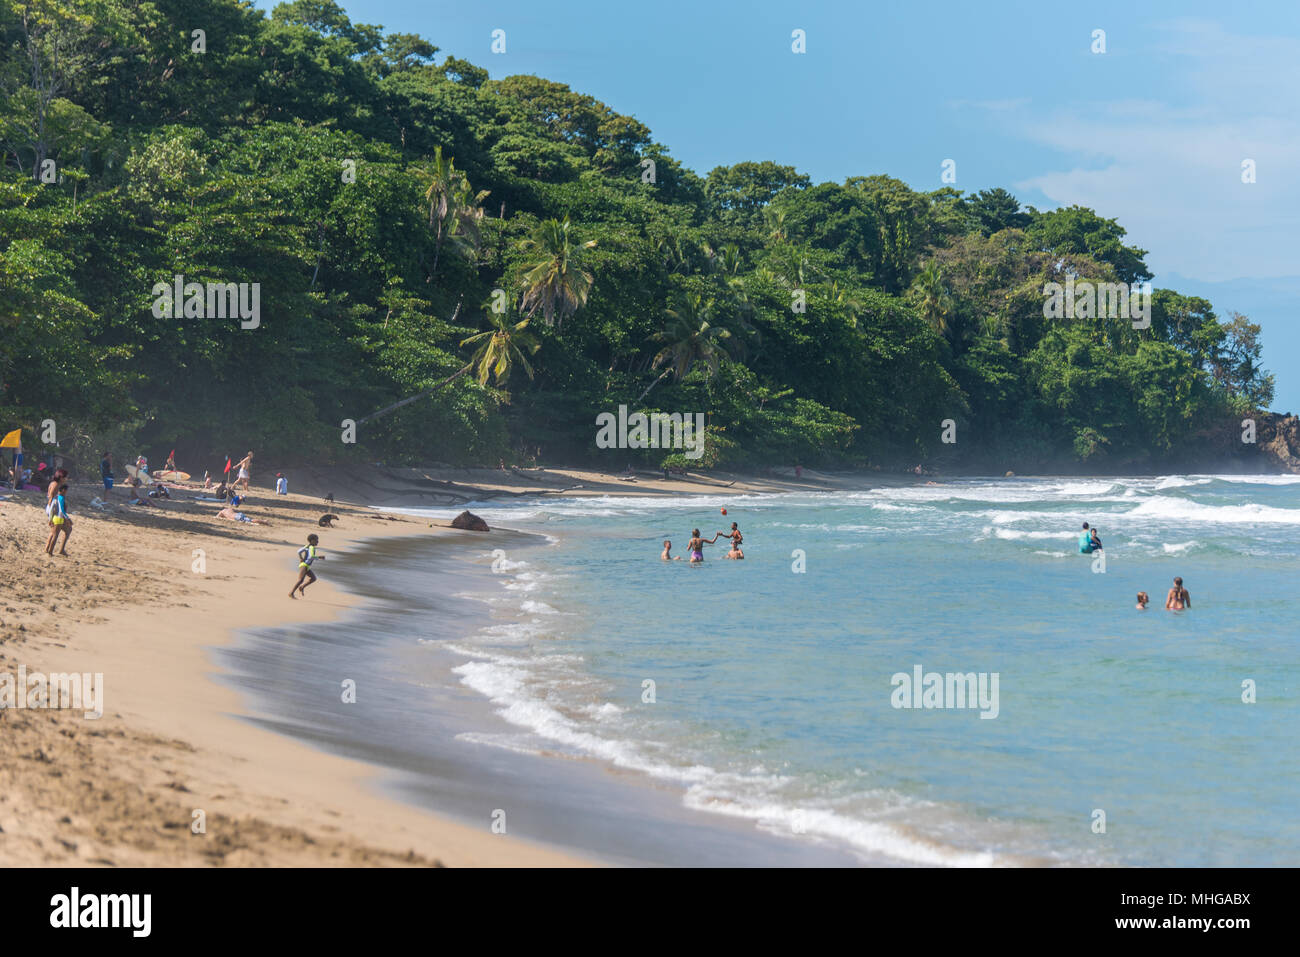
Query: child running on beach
307	556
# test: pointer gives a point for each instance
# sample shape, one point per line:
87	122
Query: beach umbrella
13	440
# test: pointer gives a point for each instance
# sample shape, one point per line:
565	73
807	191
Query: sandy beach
143	596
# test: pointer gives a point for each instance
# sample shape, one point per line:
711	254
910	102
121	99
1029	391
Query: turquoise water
772	688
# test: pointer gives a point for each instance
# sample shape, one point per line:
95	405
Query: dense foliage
522	258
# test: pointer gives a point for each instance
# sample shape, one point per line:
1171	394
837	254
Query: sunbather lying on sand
231	514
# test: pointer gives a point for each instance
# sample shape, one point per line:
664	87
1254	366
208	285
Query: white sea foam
506	683
1180	481
869	836
538	608
1015	534
1182	510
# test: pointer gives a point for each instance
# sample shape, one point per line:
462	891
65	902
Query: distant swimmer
667	555
1143	599
1178	597
696	546
736	540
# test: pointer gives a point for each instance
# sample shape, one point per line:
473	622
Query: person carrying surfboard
307	556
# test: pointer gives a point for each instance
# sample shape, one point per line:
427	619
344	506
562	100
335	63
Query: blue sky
1152	132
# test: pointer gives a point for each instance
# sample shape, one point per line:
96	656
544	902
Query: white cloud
1171	172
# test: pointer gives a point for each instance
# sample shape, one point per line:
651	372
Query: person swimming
667	555
1095	539
1143	599
696	546
1178	598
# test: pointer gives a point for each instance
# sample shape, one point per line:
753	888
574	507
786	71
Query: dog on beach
325	521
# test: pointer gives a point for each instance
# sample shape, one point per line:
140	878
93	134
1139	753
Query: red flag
227	465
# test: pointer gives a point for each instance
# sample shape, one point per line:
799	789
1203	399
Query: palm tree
555	282
776	224
500	347
933	300
690	338
455	210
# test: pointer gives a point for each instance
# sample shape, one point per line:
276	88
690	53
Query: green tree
555	282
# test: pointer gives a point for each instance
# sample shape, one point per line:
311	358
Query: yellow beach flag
12	440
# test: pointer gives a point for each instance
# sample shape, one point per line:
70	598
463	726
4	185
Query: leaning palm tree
500	347
556	282
690	338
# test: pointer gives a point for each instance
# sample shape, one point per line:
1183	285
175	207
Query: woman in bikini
1178	598
695	547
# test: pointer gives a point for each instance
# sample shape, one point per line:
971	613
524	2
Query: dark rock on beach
470	521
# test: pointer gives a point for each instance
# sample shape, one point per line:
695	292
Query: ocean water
766	694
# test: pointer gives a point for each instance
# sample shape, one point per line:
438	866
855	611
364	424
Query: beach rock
1279	441
470	521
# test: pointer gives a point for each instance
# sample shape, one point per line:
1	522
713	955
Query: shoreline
174	739
124	789
177	736
440	743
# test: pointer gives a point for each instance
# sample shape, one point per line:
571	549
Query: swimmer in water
736	539
667	555
1178	598
1143	598
696	546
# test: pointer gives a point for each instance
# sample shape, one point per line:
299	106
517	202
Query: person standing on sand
1178	597
52	490
59	522
244	465
106	472
307	556
281	484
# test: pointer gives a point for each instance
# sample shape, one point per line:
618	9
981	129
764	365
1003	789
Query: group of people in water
695	547
1178	598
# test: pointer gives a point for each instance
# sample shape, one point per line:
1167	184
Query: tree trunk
662	375
429	391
